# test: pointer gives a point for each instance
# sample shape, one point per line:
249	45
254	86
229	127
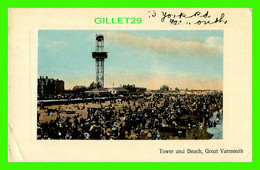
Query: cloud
57	44
212	46
214	42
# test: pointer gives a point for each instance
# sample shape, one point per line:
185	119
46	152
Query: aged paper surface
23	64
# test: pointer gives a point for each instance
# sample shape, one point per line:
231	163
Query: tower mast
100	57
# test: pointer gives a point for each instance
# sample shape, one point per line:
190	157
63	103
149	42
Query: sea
218	130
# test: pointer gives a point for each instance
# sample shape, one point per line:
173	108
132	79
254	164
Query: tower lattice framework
100	57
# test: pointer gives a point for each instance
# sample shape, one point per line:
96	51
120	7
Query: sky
190	59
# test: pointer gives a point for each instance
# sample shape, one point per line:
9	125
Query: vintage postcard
130	85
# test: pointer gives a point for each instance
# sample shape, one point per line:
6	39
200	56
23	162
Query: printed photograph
130	85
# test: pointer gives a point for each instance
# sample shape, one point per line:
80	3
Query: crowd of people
159	116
